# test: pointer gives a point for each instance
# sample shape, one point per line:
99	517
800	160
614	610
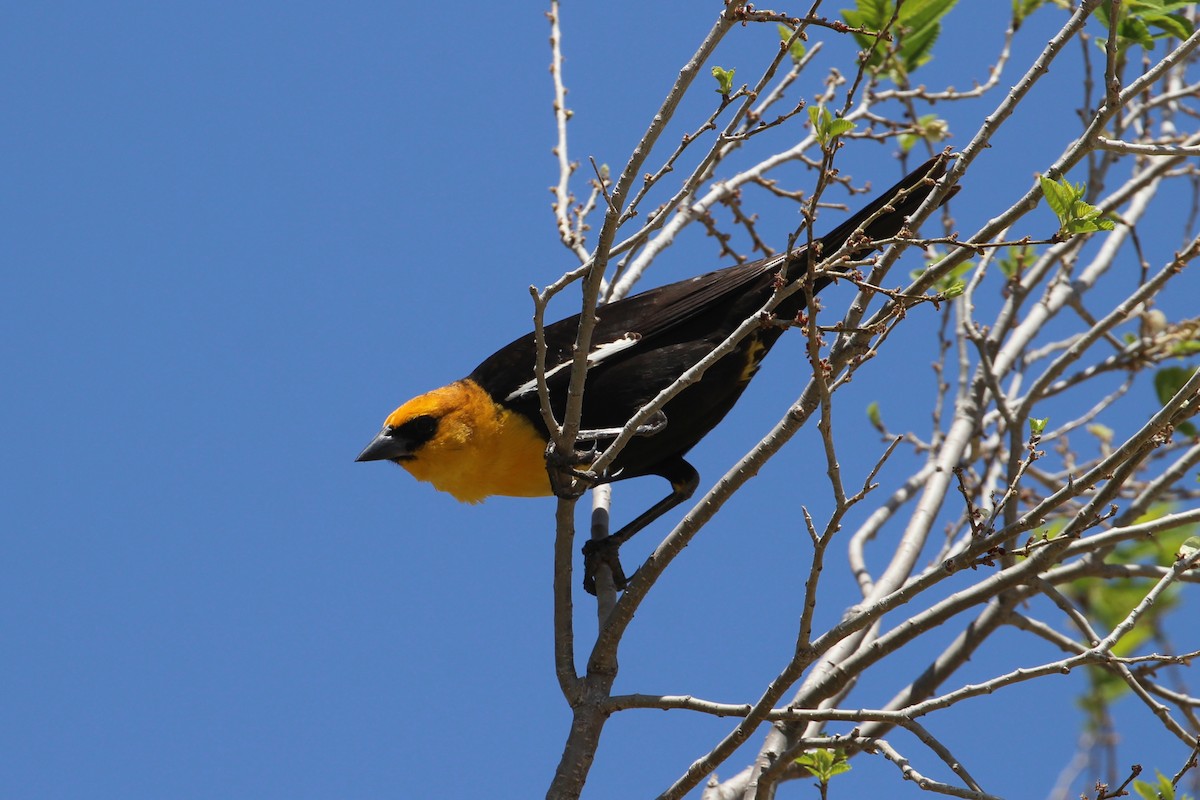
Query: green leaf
922	21
1108	601
874	417
929	128
1075	216
1036	426
1185	348
1022	9
1161	789
827	127
796	51
1053	529
1059	195
917	27
1135	31
869	14
814	116
1018	257
915	47
1169	380
1172	25
951	284
724	79
823	763
1167	383
954	290
1189	547
1087	219
839	126
1102	432
1141	23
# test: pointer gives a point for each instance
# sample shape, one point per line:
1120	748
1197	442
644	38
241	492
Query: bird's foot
602	551
566	480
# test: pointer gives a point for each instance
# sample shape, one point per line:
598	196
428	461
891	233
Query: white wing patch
598	354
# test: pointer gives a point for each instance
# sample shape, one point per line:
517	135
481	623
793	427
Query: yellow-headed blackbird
484	435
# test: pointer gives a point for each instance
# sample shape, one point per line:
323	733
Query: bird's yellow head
463	442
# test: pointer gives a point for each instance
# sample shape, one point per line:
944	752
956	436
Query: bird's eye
417	430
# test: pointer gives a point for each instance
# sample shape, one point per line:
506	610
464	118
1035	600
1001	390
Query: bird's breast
482	449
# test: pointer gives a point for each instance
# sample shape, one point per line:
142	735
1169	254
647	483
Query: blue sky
237	235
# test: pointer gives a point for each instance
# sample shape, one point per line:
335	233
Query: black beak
385	446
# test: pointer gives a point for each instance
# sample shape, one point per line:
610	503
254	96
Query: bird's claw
602	551
566	481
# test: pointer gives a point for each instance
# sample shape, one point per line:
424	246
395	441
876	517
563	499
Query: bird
485	435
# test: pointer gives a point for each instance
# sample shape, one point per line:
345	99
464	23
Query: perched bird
484	435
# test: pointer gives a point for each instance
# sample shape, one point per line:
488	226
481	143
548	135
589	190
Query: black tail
904	198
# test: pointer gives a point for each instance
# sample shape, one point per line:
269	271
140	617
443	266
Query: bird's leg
568	482
656	422
684	479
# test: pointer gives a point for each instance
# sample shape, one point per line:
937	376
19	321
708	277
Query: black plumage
640	346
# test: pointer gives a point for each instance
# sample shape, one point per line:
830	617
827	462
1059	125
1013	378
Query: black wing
626	325
655	335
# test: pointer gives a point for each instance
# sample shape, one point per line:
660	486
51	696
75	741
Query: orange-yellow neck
480	449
